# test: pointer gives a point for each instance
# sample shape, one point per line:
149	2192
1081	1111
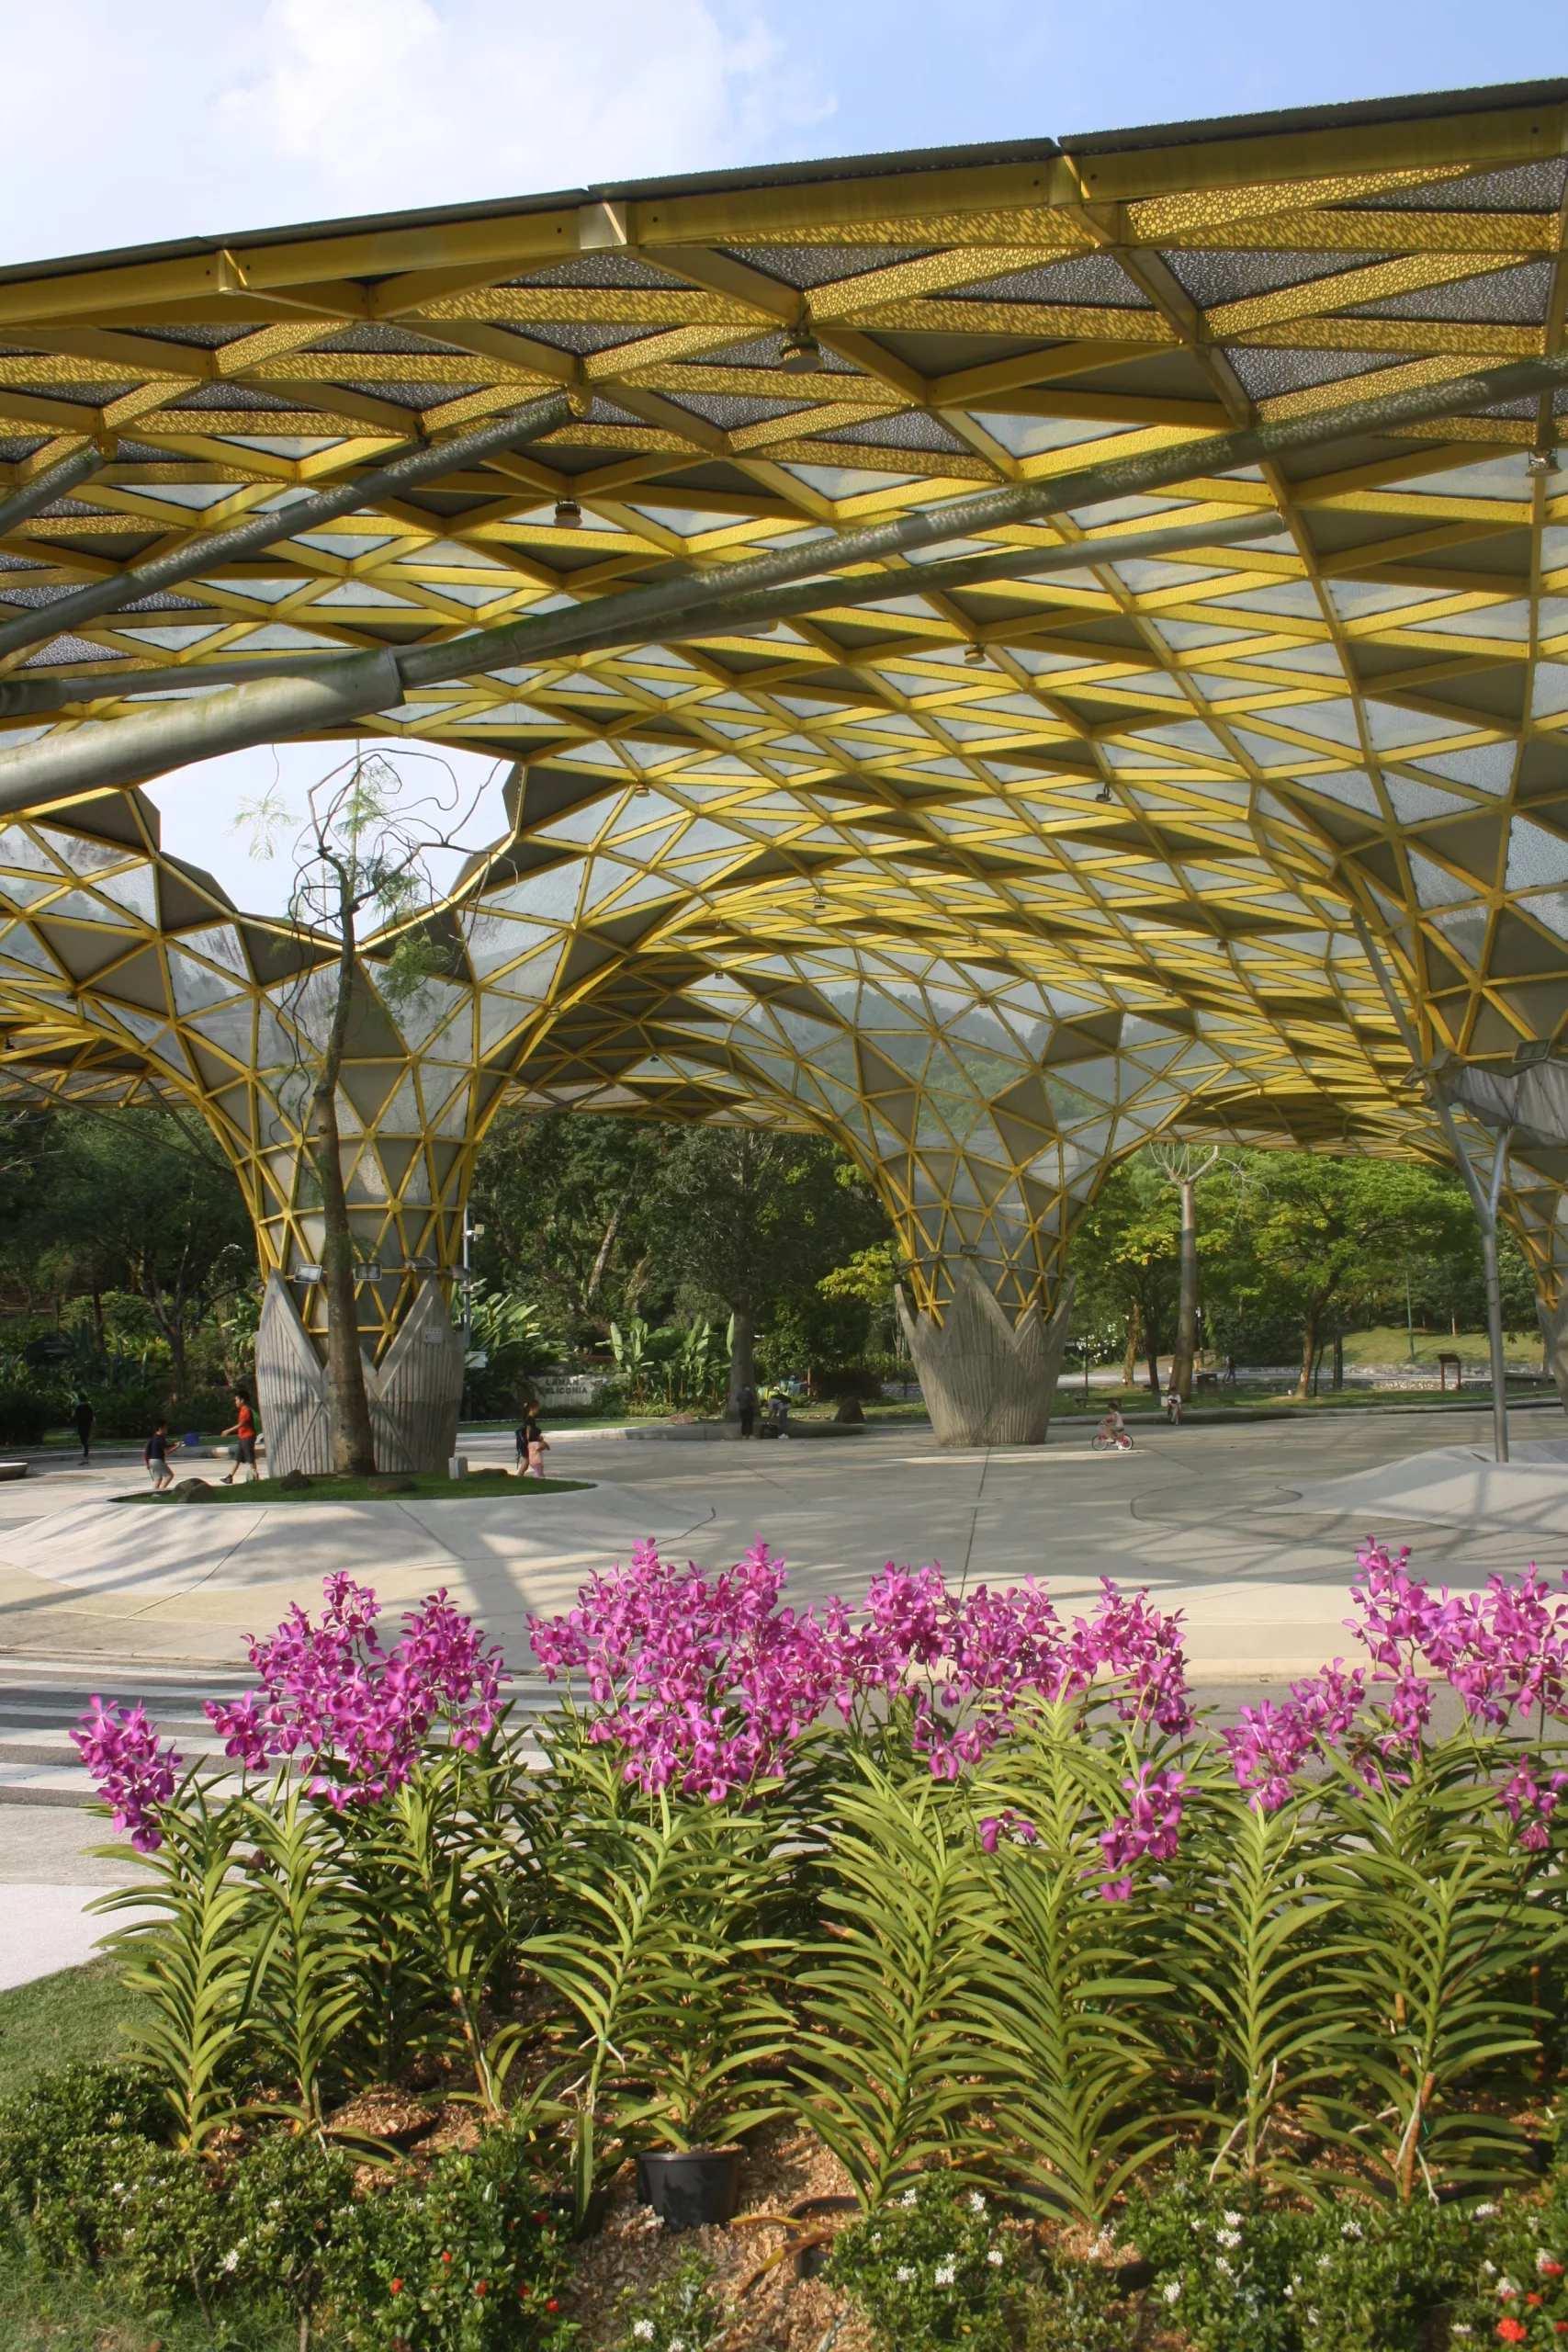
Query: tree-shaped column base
414	1393
1553	1321
986	1381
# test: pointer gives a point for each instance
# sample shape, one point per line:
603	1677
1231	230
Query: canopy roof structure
991	873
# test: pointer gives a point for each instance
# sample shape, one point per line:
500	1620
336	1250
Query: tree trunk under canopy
354	1445
742	1359
1130	1359
1187	1308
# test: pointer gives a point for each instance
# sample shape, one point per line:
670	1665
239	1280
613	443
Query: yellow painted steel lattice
992	884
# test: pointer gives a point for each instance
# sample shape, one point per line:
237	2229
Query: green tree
1125	1256
1330	1236
567	1200
749	1214
361	857
143	1199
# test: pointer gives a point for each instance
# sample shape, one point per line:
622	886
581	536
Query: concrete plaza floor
1251	1530
1247	1528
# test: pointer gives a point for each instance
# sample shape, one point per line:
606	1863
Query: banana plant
198	1963
900	2046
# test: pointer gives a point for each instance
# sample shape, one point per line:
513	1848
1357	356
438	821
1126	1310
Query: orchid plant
967	1875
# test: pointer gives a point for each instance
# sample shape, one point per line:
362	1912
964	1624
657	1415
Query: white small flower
1351	2230
911	2197
996	2258
1228	2237
946	2274
1457	2327
877	2237
1233	2221
677	2344
1490	2268
1173	2291
1506	2287
1290	2292
1312	2317
976	2202
1482	2213
643	2330
232	2259
903	2274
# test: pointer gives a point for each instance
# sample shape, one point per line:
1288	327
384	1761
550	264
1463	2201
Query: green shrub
1517	2291
1078	2307
68	2148
469	2261
680	2313
1346	2275
29	1405
930	2269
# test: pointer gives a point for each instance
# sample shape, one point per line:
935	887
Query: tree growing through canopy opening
364	852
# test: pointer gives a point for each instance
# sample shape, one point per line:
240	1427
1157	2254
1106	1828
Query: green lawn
74	2016
423	1485
1390	1343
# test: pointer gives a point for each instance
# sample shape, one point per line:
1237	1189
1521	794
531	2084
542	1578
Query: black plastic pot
563	2204
691	2188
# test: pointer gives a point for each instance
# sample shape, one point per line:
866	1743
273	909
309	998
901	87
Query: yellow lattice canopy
992	881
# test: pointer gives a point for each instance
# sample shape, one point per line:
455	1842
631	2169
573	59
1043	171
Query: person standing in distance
155	1454
82	1423
746	1405
244	1428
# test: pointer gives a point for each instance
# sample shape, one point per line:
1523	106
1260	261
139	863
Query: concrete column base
986	1381
414	1393
1553	1321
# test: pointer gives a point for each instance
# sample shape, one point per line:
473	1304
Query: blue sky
176	118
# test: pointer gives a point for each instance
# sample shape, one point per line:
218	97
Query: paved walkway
1250	1530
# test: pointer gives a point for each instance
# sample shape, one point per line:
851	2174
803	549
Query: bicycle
1103	1442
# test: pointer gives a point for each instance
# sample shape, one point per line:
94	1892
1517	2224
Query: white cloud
181	120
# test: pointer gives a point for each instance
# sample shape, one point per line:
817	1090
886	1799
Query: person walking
746	1405
244	1428
538	1445
155	1454
1173	1405
82	1423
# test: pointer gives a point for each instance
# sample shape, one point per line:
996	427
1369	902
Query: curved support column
414	1393
987	1381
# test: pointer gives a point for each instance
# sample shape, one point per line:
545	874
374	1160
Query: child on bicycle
1114	1430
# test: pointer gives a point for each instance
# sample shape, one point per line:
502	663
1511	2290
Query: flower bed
1108	2026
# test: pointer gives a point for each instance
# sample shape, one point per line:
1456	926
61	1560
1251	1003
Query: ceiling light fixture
569	515
1541	462
974	656
1105	793
800	354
